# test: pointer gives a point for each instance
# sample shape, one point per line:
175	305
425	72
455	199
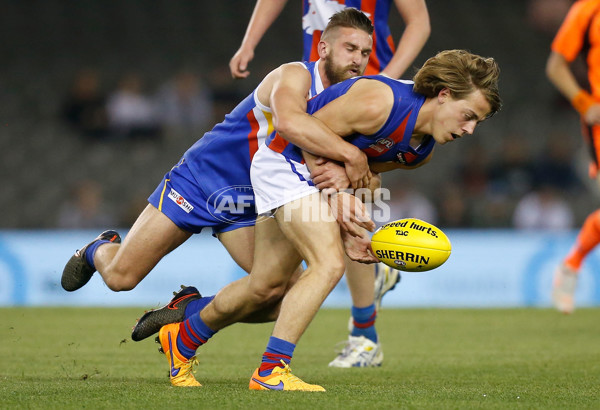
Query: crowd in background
516	187
104	106
183	104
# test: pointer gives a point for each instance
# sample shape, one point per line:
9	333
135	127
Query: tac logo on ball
411	245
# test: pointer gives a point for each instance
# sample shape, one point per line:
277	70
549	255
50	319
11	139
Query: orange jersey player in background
578	34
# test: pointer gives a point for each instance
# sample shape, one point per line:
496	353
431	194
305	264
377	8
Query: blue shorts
181	199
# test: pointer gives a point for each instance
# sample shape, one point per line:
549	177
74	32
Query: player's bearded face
337	73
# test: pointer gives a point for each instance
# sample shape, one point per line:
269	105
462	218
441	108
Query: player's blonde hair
349	18
462	73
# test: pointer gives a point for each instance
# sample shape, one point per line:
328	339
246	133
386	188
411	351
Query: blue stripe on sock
282	348
199	327
194	326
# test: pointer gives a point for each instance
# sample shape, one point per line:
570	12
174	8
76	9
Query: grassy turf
434	359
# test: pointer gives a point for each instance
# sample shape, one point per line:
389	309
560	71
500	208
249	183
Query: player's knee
268	295
331	270
118	282
332	266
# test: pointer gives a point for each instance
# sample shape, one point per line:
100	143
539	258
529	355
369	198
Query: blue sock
195	306
193	332
364	322
91	250
277	350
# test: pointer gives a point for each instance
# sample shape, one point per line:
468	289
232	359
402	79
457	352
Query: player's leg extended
310	226
188	301
151	237
123	266
234	302
567	273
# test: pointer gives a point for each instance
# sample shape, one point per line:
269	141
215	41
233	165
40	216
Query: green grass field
434	359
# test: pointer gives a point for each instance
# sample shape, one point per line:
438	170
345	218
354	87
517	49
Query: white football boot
386	279
563	289
359	352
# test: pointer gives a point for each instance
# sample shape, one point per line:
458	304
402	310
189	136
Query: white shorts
277	180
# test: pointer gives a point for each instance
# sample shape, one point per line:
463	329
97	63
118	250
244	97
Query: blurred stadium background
532	146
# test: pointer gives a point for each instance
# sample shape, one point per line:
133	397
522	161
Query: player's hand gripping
357	169
350	213
329	175
358	248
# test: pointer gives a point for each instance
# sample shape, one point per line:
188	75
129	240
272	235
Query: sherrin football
411	245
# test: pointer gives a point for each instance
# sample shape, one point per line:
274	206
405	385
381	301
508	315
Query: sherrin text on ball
411	245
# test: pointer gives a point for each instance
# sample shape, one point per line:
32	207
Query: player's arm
288	104
390	166
559	73
363	109
264	14
416	32
350	216
327	174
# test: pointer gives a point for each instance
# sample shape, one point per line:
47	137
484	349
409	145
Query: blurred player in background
367	284
578	34
397	123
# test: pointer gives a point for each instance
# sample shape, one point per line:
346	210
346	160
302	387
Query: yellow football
411	245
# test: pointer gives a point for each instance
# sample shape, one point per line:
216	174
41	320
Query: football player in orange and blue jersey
215	171
452	93
391	143
367	285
